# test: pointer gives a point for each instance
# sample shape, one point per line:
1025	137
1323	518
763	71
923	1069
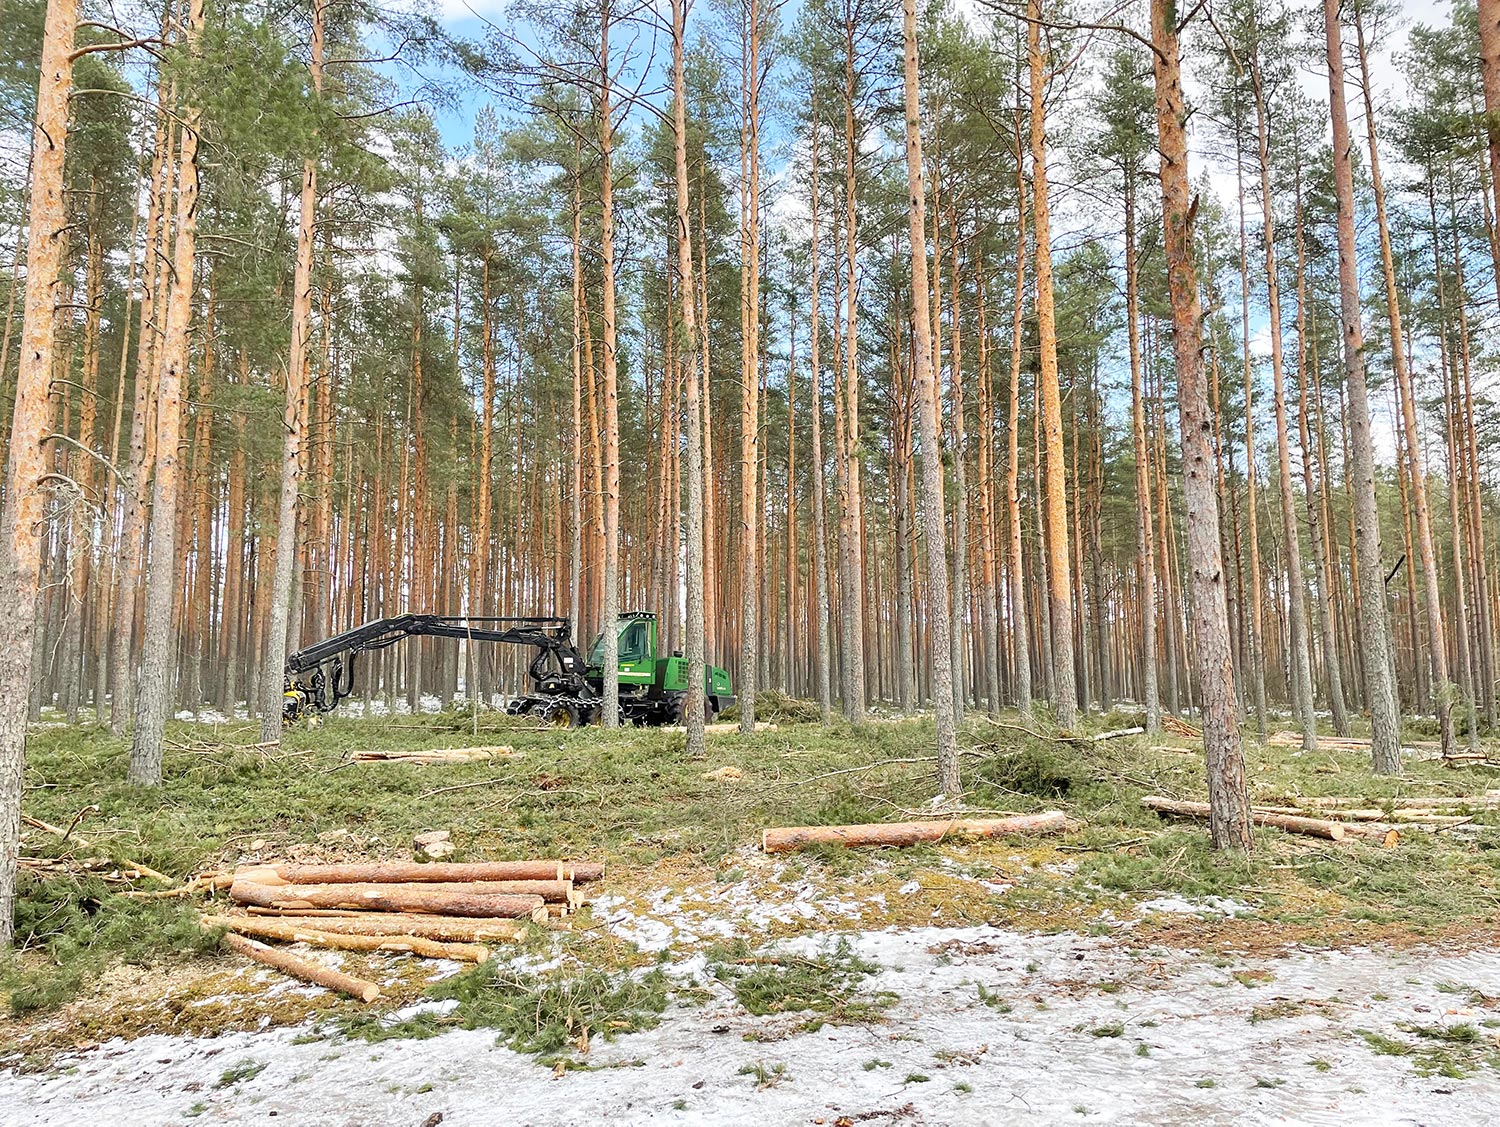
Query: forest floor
1120	972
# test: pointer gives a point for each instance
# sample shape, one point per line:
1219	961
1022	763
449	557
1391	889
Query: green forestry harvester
567	690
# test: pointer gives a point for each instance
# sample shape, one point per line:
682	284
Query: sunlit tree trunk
1059	567
21	517
611	601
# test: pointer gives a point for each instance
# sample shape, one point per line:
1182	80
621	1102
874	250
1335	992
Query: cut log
389	898
291	932
786	839
434	755
1489	800
406	872
1385	836
288	963
1292	823
453	929
552	891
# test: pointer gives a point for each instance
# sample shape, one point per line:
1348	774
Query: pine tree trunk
21	517
1229	803
852	572
294	421
1374	634
824	659
1145	546
693	709
1301	663
939	611
153	692
1020	626
611	482
1059	567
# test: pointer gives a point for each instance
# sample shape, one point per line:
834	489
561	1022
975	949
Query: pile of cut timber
435	755
789	838
436	910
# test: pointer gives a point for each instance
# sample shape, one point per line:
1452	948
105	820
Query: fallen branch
63	834
784	840
300	968
292	932
436	755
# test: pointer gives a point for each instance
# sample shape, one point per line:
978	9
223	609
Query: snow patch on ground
1068	1029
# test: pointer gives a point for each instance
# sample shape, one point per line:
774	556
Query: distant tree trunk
1374	634
1145	547
1300	662
21	517
988	599
852	570
137	486
152	696
575	494
1019	627
1437	641
1256	638
824	660
960	590
611	608
294	420
1229	802
939	614
1059	566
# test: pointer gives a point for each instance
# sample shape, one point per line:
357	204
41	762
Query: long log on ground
1489	800
288	963
435	755
407	872
452	929
291	932
1292	823
551	891
786	839
389	898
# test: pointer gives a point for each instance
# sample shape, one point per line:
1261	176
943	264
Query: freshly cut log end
787	839
288	963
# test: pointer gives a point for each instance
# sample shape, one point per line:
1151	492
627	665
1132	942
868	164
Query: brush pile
433	910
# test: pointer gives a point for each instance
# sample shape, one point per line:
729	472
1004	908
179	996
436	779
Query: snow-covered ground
1067	1029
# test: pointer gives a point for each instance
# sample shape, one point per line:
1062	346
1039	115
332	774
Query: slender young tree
1228	795
611	601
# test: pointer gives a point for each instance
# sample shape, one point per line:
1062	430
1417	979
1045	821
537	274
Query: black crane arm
322	674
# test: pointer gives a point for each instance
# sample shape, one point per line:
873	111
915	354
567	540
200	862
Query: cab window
634	641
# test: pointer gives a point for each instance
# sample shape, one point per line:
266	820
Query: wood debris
1291	823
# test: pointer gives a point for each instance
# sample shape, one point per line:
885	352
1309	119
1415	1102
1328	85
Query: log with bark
391	898
405	872
1291	823
453	929
787	839
552	891
292	931
288	963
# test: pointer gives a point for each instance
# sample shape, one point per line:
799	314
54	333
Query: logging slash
787	839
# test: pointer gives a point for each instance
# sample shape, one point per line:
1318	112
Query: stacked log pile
435	910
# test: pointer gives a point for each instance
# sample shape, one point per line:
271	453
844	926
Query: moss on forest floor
679	837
